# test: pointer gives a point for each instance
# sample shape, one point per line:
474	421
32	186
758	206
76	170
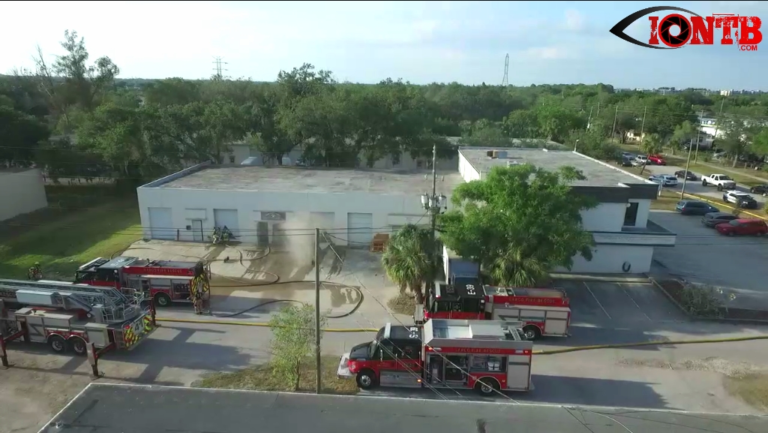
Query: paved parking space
695	187
606	304
702	255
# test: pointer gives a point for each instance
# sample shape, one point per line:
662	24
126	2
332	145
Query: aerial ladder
90	319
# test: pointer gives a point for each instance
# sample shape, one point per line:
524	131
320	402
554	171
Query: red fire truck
543	312
69	316
487	356
162	280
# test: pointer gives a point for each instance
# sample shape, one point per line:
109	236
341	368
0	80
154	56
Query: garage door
359	229
161	223
228	218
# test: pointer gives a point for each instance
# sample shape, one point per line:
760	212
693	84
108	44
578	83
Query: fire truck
543	312
488	356
164	281
69	316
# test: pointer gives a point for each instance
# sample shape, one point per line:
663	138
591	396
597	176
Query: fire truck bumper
343	371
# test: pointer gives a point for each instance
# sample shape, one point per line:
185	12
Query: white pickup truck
721	181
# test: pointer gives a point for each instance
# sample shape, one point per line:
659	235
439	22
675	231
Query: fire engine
543	312
70	316
164	281
488	356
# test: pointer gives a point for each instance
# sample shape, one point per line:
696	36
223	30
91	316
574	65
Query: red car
656	159
743	226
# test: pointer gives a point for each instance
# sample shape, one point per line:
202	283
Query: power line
218	68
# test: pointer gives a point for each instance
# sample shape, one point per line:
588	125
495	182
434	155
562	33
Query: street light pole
432	203
687	165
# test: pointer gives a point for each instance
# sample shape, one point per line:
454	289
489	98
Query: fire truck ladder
107	304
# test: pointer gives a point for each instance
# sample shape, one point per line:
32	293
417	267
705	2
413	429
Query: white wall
606	217
609	259
21	192
643	209
387	210
468	173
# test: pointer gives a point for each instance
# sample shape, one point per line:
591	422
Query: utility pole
615	118
589	120
642	125
698	139
318	383
687	164
433	203
719	117
598	108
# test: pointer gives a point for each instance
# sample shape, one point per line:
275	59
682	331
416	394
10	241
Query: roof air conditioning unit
490	153
501	154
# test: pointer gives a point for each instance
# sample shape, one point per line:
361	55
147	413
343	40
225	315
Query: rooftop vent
510	163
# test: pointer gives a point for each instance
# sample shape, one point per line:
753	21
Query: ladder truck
66	316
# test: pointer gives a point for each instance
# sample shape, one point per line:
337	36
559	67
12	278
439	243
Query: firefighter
34	272
196	294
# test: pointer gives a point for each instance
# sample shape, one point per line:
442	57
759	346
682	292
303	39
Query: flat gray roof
142	409
597	173
309	180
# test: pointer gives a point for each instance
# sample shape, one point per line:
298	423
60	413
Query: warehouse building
21	191
264	205
624	237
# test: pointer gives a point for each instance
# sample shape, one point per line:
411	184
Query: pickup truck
721	181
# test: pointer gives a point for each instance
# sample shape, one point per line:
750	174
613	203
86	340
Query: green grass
81	223
752	388
259	377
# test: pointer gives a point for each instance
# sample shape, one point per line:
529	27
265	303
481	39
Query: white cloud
550	53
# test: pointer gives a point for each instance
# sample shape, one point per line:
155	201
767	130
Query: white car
642	159
741	199
664	179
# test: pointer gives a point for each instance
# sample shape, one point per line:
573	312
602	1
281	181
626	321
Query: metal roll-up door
228	218
161	223
359	229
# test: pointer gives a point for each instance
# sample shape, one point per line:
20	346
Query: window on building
489	363
630	215
231	159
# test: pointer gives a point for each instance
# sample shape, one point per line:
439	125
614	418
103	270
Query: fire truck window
456	306
411	351
472	305
106	275
489	363
387	350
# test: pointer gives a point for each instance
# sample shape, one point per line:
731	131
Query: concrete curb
256	324
606	279
648	343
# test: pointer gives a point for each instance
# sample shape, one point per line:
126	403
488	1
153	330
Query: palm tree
651	144
406	259
515	268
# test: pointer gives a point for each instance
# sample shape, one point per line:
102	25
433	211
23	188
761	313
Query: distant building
21	191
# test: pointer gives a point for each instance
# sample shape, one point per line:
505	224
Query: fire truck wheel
531	332
58	344
162	300
487	386
366	379
78	345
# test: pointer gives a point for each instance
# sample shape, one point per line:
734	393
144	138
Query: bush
702	301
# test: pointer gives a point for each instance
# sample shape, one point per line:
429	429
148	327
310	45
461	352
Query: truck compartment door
519	372
557	322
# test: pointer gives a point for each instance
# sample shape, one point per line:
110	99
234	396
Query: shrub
702	301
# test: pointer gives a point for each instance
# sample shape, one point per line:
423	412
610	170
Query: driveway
695	187
704	256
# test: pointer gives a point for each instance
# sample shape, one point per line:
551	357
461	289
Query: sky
420	42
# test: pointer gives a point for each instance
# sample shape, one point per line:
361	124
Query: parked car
656	159
664	179
740	199
628	155
721	181
688	175
743	226
694	207
760	189
641	159
714	218
626	162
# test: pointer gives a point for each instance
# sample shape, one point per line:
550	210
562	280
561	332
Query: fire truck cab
543	312
163	281
488	356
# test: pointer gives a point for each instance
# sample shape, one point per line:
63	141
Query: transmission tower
219	68
505	80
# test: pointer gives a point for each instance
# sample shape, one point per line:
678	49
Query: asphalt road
130	409
695	187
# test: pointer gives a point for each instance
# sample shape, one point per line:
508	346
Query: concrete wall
21	192
468	173
609	259
388	210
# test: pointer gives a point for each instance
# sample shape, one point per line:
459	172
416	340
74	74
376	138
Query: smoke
299	241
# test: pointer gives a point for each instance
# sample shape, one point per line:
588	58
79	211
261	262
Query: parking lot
702	255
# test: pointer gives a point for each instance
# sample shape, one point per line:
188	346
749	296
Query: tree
20	135
519	223
734	139
293	339
651	144
760	142
522	124
406	259
684	133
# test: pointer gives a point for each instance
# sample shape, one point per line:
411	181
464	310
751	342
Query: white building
624	237
273	205
21	191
